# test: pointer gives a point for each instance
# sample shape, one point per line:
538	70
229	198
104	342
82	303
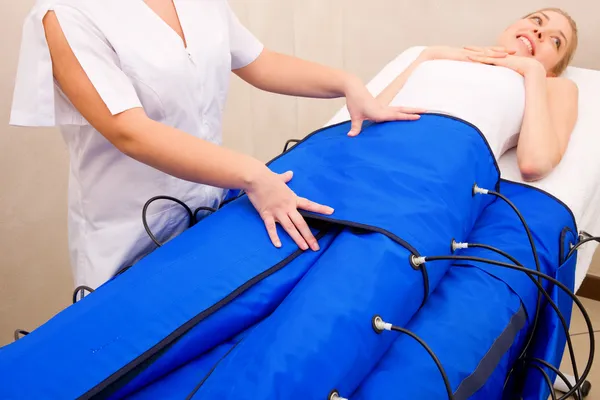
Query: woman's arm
436	53
551	106
550	115
178	153
387	95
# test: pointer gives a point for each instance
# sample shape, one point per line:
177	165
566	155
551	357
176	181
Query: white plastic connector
381	325
418	261
478	190
459	245
335	396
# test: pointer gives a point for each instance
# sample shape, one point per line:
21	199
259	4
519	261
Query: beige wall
361	37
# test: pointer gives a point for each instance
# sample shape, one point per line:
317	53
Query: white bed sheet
576	180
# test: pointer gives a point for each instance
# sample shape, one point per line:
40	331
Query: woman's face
544	35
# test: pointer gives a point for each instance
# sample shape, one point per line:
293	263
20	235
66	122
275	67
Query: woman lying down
529	103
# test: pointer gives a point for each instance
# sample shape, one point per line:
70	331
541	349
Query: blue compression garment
179	320
479	317
474	321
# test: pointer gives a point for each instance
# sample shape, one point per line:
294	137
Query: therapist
138	90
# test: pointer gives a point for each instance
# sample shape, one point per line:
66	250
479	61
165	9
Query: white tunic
489	97
133	58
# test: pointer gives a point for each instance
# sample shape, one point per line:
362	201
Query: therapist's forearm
283	74
184	156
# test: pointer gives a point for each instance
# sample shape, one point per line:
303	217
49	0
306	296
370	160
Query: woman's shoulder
563	90
561	84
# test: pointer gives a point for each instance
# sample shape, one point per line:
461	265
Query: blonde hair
562	65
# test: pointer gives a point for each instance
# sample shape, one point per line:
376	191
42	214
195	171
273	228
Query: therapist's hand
277	203
363	106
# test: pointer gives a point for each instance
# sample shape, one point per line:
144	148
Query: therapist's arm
283	74
179	154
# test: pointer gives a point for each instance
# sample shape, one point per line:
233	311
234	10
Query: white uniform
489	97
134	59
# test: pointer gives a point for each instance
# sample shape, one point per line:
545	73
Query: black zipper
121	377
363	227
193	393
553	197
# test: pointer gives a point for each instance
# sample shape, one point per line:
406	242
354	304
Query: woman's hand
493	51
277	203
522	65
463	54
363	106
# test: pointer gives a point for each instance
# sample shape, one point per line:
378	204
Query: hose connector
459	245
379	325
416	262
478	190
334	395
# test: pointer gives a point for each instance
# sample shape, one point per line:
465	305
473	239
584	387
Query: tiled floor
581	347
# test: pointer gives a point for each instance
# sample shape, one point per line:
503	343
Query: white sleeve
37	101
245	47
